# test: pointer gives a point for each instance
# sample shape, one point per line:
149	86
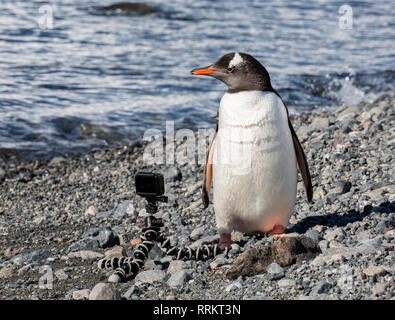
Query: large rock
285	252
104	291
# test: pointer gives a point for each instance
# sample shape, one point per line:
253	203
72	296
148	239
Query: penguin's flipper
302	163
207	176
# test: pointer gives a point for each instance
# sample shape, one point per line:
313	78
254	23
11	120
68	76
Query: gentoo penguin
253	157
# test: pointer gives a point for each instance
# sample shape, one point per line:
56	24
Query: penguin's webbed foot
225	240
277	231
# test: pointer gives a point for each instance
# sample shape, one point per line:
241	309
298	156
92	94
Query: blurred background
75	76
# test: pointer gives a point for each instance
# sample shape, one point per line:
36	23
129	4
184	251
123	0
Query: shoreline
48	208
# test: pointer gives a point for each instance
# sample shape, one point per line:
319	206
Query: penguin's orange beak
202	71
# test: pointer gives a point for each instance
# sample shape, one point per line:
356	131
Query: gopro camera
149	184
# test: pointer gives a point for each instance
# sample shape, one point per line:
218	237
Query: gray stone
178	278
125	208
379	288
320	288
369	246
320	123
130	292
34	256
364	235
150	276
117	251
323	244
173	174
90	233
81	294
275	271
107	238
91	211
152	264
85	255
217	263
104	291
114	278
374	271
380	227
235	248
197	233
313	234
285	283
234	286
84	244
342	187
176	265
156	253
337	234
6	273
61	275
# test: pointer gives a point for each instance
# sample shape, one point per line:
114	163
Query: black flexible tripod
127	267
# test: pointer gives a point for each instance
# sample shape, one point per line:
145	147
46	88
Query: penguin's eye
230	70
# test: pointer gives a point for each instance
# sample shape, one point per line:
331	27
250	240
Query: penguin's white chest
254	164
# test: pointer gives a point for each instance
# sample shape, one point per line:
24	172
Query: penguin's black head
239	71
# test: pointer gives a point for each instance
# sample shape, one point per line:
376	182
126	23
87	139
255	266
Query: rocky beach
58	218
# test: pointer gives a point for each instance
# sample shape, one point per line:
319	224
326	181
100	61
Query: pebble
125	208
337	234
322	287
85	255
275	271
81	294
6	273
374	271
104	291
235	285
107	238
176	265
61	275
217	263
379	288
130	292
313	234
178	278
173	174
284	283
117	251
197	233
91	211
150	276
84	244
235	248
114	278
34	256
